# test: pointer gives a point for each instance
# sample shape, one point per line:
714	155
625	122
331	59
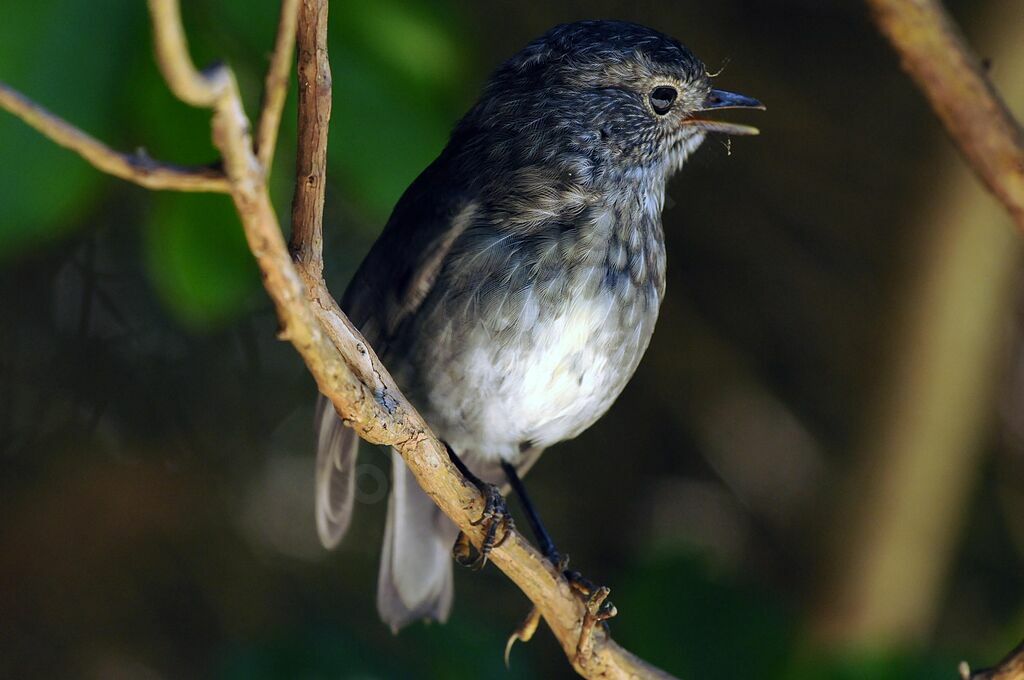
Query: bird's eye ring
662	98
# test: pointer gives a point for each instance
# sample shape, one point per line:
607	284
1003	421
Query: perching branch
344	367
935	54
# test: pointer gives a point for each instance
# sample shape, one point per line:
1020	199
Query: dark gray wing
389	286
404	262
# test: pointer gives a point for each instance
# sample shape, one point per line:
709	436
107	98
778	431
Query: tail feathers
337	449
415	580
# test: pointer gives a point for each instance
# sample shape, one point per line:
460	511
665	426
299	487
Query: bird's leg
580	585
495	516
544	542
598	608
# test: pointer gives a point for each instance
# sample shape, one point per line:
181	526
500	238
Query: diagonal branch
138	167
935	54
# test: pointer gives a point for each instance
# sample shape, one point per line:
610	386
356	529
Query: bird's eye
661	99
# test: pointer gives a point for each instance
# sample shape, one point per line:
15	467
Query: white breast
544	388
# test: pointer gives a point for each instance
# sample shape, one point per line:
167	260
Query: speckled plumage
516	285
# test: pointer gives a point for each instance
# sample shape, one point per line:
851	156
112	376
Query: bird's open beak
720	99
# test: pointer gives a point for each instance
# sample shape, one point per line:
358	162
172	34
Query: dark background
817	471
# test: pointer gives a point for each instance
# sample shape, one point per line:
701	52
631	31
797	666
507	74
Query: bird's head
618	92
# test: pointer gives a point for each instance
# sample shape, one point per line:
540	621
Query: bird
516	285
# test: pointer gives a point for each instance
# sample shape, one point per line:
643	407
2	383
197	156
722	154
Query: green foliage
459	649
197	258
90	63
694	625
401	67
63	54
697	625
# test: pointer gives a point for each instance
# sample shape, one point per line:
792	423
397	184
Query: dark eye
662	98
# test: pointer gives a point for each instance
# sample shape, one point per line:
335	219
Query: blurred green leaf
397	70
406	37
381	137
468	649
63	54
158	122
197	258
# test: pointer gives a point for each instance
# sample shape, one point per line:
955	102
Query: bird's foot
597	607
495	517
597	610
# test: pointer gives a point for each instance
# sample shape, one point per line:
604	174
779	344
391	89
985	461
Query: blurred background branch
899	518
934	52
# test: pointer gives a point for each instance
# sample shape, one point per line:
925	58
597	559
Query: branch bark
935	54
344	367
314	73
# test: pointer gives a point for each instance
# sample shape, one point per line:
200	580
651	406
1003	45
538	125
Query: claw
524	632
495	516
462	551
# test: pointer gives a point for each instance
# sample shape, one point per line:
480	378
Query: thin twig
935	54
214	88
138	167
185	82
275	85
